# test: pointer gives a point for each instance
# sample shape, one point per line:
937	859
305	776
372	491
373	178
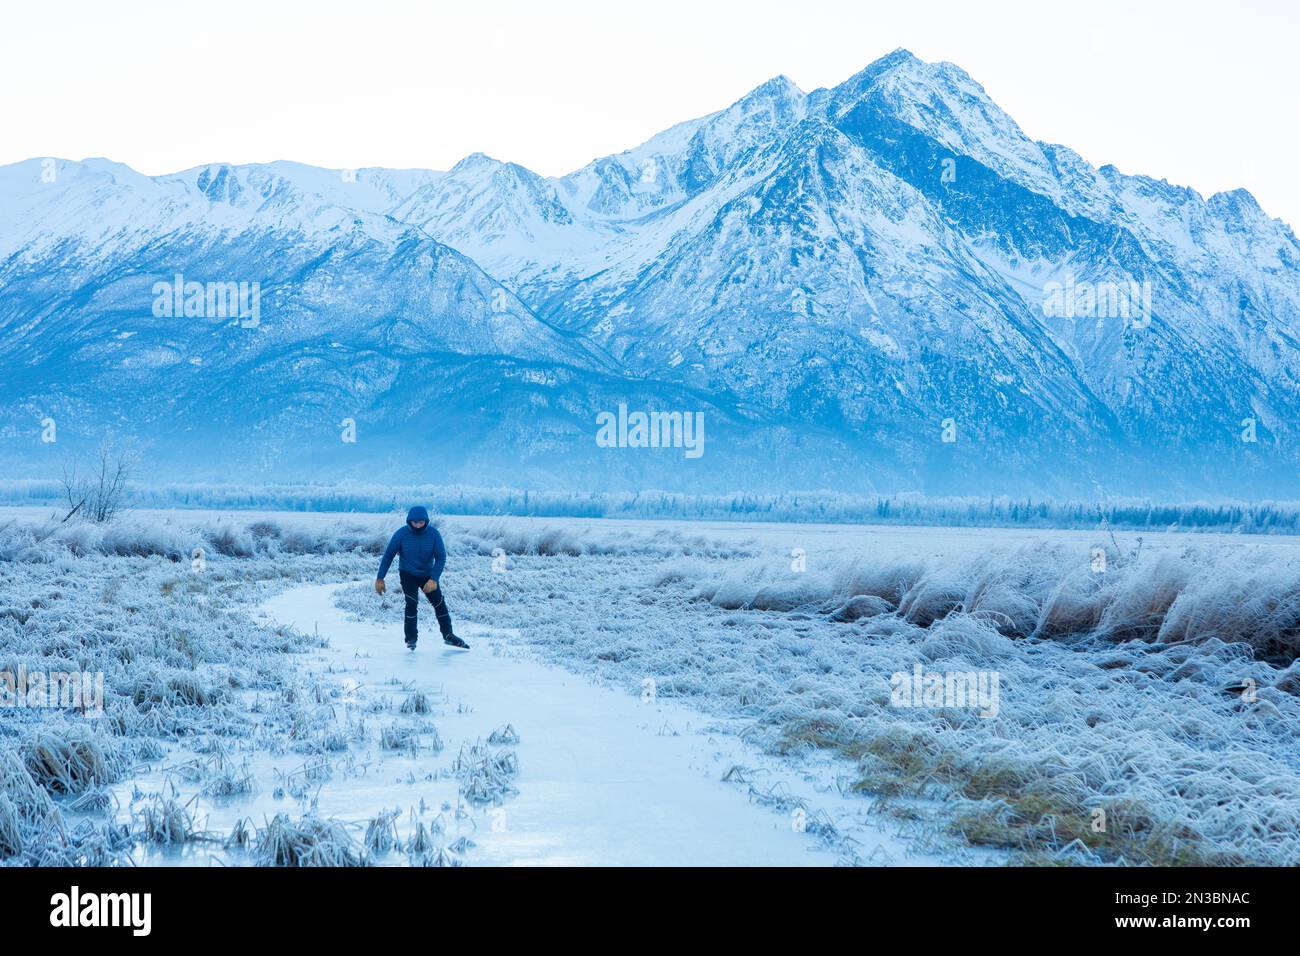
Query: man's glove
430	586
379	585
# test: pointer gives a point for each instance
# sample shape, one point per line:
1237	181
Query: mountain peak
779	100
942	102
1238	209
891	62
896	57
778	87
475	160
1241	199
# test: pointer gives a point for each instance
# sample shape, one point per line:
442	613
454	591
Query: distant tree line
1266	517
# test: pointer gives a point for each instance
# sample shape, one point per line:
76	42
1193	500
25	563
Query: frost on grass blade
486	777
185	670
309	841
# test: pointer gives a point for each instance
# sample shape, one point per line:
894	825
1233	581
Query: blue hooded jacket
422	552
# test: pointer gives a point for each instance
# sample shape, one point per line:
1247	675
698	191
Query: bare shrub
96	494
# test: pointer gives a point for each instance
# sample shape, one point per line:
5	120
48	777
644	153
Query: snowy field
646	692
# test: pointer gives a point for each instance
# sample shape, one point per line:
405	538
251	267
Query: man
423	556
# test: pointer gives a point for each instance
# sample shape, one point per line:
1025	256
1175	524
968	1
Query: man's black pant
411	585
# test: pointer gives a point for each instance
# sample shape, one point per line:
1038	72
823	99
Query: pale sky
1203	94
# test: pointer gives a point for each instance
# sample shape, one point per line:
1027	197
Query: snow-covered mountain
882	285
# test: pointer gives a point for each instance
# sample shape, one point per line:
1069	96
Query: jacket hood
417	514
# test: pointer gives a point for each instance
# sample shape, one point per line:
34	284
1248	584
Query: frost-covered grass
1148	712
551	539
1160	695
1245	596
183	664
307	842
486	776
146	535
